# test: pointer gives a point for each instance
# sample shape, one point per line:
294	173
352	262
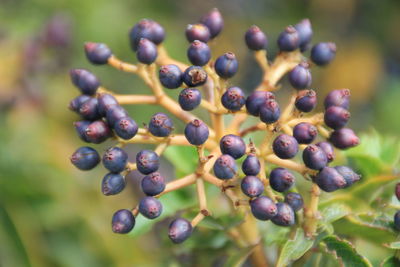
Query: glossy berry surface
160	125
85	81
189	98
305	32
329	180
314	157
348	174
112	184
270	111
146	51
105	101
170	76
225	167
150	207
251	165
194	76
289	39
344	138
295	200
85	158
255	38
281	179
89	109
196	132
323	53
305	133
396	220
284	216
197	31
300	77
97	53
179	230
148	29
306	100
147	161
214	22
232	145
256	100
285	146
336	117
126	128
76	103
198	53
328	149
233	99
123	221
80	128
252	186
114	114
340	98
97	132
263	208
153	184
226	65
115	159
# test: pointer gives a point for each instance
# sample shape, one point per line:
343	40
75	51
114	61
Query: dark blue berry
189	98
397	191
329	180
112	184
340	98
270	111
148	29
146	51
281	179
80	127
153	184
252	186
105	101
285	146
97	53
114	114
305	33
396	220
256	100
198	53
263	208
179	230
251	165
194	76
214	22
314	157
170	76
300	77
160	125
150	207
89	109
85	81
76	103
285	215
323	53
328	149
344	138
197	31
295	200
225	167
255	38
348	174
336	117
147	161
196	132
226	65
289	39
85	158
232	145
115	159
305	133
233	99
123	221
97	132
126	128
306	100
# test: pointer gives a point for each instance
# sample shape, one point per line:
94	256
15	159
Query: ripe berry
289	39
89	109
339	98
196	132
97	53
285	215
256	100
160	125
233	99
294	200
314	157
112	184
300	77
232	145
226	65
306	100
198	53
85	158
270	111
348	174
153	184
263	208
85	81
251	165
252	186
397	191
148	29
197	32
179	230
305	133
146	51
126	128
76	103
194	76
329	179
255	38
114	114
115	159
323	53
123	221
305	33
281	179
396	220
328	149
80	127
170	76
344	138
225	167
97	132
147	161
189	98
285	146
336	117
150	207
105	101
214	22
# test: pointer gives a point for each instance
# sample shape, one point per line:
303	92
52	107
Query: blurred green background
54	215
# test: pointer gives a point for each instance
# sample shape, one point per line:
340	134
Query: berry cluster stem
311	212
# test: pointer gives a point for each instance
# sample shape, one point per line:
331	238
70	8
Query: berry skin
89	109
226	65
339	98
306	100
348	174
196	132
80	127
85	158
147	161
252	186
323	53
170	76
328	149
126	128
105	101
115	159
112	184
114	114
263	208
85	81
336	117
148	29
153	184
295	201
285	146
255	38
305	133
97	132
146	52
225	167
329	179
251	165
214	22
123	221
314	157
76	103
160	125
189	98
289	39
305	33
197	32
233	99
150	207
344	138
232	145
198	53
194	76
256	100
281	179
397	191
396	220
97	53
270	111
300	77
285	215
179	230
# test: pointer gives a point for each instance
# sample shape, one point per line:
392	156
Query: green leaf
345	252
239	258
184	158
334	212
393	245
391	261
294	249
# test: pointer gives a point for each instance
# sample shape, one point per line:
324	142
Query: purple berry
263	208
306	100
251	165
281	179
112	184
323	53
179	230
214	22
123	221
232	145
256	100
97	53
233	99
146	51
305	133
105	101
196	132
328	149
160	125
147	161
85	158
270	111
285	215
396	220
348	174
397	191
336	117
126	128
198	53
150	207
344	138
89	109
80	127
148	29
339	98
226	65
153	184
76	103
225	167
289	39
97	132
189	98
170	76
85	81
197	32
314	157
252	186
285	146
114	114
194	76
295	201
255	39
300	77
115	159
305	33
329	180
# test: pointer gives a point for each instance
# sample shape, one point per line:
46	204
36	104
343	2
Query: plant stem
119	64
311	213
286	163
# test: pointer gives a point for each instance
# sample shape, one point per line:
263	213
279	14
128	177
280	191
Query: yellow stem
119	64
311	212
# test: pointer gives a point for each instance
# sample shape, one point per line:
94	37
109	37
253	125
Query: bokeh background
54	215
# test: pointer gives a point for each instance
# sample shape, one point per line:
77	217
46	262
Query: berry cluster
397	214
220	146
